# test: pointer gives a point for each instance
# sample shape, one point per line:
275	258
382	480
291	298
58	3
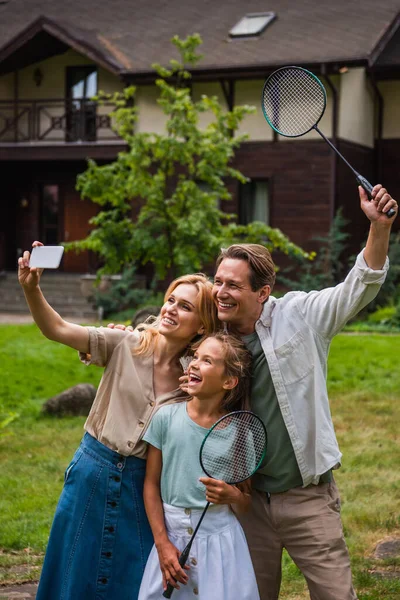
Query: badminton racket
293	102
232	451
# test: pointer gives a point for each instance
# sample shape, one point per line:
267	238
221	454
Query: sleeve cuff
96	355
368	275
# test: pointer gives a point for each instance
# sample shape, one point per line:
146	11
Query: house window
254	202
81	110
252	25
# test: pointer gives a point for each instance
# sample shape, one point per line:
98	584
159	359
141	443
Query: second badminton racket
293	102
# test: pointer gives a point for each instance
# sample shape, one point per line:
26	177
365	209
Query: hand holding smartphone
46	257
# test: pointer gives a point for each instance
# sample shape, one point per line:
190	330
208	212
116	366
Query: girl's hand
171	570
27	277
219	492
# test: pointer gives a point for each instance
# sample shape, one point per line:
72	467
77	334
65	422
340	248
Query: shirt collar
266	313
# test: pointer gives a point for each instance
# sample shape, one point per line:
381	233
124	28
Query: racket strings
293	101
233	450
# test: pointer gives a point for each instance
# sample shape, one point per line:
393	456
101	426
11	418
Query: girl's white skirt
220	564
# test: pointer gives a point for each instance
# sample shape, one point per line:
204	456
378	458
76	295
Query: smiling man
296	504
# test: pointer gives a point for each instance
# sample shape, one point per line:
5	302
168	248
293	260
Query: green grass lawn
364	383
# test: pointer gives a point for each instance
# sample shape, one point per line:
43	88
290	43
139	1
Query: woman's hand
171	570
29	278
184	383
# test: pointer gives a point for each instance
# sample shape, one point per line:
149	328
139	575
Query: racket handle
168	591
368	188
182	561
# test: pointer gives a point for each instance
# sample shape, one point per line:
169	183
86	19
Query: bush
389	293
382	315
124	296
395	320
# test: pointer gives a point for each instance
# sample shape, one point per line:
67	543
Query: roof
130	36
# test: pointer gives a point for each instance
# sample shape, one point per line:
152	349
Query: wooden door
77	213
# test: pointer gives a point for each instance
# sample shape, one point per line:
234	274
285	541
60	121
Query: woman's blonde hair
206	308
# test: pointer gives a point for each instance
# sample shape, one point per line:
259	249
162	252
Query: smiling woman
100	536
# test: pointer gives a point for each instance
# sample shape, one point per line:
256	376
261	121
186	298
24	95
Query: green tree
179	178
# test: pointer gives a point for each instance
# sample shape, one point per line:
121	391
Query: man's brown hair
259	259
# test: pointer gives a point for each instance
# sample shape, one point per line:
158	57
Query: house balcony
72	129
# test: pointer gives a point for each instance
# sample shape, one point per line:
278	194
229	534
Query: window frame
253	182
270	17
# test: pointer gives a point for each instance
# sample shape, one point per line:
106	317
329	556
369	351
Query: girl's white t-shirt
172	431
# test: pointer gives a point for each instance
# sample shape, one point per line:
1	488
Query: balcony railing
55	121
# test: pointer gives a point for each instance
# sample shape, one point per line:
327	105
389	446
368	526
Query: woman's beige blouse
125	401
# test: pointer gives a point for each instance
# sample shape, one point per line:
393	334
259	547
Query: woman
100	538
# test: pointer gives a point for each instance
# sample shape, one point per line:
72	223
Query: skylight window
252	24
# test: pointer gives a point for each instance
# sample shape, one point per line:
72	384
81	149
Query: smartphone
46	257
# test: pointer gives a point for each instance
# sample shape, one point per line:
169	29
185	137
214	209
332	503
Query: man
295	500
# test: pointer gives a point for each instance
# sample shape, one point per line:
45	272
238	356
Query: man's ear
230	383
264	293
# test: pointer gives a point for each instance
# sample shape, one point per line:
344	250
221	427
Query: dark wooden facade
22	209
306	183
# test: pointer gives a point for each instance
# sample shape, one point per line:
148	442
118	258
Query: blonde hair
206	308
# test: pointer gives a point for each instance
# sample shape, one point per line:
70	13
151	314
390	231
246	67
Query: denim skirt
100	538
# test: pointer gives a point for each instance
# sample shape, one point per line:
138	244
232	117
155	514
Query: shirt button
152	403
195	591
193	561
187	511
130	444
141	424
189	530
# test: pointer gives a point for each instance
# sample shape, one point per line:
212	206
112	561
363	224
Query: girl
175	492
100	538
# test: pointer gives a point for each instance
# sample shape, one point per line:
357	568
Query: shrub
125	296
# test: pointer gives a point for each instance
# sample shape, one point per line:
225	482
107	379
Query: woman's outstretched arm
46	318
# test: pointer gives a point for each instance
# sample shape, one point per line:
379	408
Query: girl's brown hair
206	307
237	359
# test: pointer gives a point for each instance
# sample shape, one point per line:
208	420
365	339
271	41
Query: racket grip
182	561
368	188
168	592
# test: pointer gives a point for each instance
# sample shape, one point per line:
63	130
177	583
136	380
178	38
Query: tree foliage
179	177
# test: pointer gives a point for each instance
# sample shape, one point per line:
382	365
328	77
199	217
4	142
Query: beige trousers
305	521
